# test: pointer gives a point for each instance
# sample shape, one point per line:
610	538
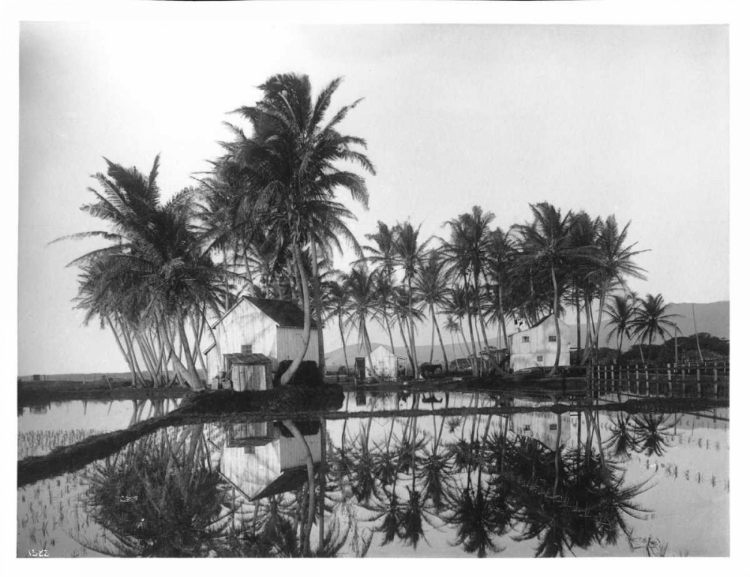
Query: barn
252	338
387	365
537	345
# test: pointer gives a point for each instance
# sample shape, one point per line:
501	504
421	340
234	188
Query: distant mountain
712	318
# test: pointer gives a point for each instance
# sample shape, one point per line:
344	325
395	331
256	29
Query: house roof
289	480
538	323
248	359
284	313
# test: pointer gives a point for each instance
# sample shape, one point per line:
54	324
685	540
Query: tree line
266	221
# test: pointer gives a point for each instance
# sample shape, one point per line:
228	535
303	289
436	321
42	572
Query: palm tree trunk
127	358
387	322
195	380
440	337
310	483
289	373
318	308
343	343
697	342
179	368
557	323
602	300
578	326
406	344
480	319
432	341
411	330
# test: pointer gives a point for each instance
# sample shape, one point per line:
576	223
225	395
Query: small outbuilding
251	338
536	346
387	365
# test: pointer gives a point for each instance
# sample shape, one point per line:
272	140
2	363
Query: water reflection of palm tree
622	441
162	498
650	434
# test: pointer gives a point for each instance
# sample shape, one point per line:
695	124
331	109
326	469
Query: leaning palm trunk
602	300
310	483
406	343
127	357
172	356
343	344
318	309
287	376
195	380
440	337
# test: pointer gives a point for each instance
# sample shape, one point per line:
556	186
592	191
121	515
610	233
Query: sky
631	121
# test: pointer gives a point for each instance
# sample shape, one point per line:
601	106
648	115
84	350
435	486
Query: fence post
619	379
669	379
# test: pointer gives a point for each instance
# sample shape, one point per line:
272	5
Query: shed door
359	367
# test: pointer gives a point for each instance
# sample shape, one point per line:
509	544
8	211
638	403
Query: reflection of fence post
716	382
637	381
612	378
682	381
698	381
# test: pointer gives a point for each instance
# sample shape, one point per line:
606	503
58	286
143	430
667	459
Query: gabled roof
284	313
541	322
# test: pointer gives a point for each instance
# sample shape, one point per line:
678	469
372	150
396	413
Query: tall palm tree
409	253
291	164
650	319
620	310
546	244
500	254
431	287
156	264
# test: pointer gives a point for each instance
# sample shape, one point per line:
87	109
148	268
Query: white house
386	364
258	327
537	345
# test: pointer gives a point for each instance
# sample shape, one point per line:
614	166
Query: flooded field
492	476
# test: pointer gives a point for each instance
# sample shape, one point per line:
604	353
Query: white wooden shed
537	345
386	364
258	326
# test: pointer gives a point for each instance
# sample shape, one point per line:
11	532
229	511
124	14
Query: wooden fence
707	380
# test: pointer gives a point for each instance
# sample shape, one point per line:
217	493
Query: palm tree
156	267
500	254
620	310
338	306
431	287
546	244
409	254
650	319
290	164
358	284
615	262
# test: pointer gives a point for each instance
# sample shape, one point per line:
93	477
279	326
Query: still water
442	483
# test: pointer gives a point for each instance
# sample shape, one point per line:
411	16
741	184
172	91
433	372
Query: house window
553	338
553	427
540	358
247	349
524	339
527	427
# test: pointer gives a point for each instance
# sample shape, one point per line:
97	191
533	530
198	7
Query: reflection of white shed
261	461
537	345
259	326
386	364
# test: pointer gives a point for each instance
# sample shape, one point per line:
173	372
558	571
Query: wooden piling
669	379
